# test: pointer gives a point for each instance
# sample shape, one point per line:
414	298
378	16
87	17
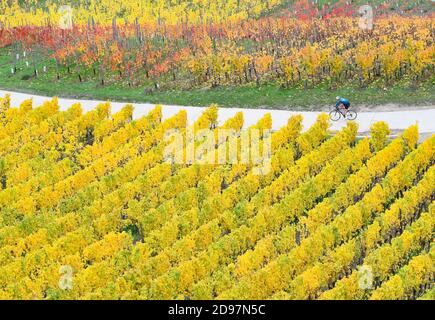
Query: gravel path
397	120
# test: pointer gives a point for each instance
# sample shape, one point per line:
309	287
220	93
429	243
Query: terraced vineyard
90	209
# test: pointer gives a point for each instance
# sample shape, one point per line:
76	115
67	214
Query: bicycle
336	114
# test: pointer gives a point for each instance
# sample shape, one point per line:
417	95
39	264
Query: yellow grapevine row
409	281
287	238
384	259
15	13
200	122
142	245
280	271
310	283
301	171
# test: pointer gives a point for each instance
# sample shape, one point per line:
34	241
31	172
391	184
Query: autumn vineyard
91	208
205	45
91	191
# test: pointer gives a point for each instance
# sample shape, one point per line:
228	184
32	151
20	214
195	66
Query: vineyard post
14	57
57	69
35	61
78	65
366	18
3	174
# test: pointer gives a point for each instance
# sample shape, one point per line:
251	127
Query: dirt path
397	120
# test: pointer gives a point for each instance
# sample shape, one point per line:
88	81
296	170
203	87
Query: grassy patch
267	96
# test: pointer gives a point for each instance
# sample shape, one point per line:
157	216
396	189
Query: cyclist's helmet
338	98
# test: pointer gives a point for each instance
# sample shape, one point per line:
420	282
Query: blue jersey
343	102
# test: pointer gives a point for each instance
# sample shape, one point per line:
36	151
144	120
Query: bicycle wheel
335	115
351	115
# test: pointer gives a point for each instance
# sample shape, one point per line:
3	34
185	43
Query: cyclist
343	104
